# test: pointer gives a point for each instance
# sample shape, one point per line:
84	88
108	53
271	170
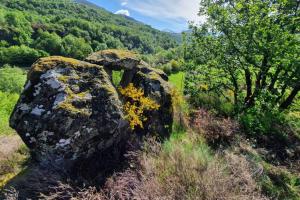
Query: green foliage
245	49
257	121
279	183
175	66
17	28
20	55
29	28
76	47
12	79
49	42
167	68
171	67
212	101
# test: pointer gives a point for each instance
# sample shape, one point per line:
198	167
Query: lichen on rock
114	59
66	97
70	113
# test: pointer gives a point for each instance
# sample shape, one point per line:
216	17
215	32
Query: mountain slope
87	3
23	21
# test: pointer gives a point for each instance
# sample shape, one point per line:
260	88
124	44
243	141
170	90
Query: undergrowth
15	164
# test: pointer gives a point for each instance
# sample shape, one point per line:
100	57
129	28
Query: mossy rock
70	112
115	59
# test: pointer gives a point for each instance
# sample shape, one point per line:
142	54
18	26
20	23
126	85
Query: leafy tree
20	55
20	28
76	47
248	51
97	46
49	42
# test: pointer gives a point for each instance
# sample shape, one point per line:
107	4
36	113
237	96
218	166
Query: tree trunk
248	84
291	97
274	79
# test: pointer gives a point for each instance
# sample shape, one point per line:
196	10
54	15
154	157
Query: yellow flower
136	104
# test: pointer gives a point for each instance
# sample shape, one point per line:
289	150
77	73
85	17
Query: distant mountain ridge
87	3
176	36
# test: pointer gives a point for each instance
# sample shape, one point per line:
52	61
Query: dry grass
13	164
215	130
182	168
187	170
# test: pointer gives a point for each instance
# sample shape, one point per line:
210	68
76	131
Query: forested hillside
30	29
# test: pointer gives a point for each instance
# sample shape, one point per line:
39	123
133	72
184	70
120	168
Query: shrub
216	130
278	182
258	121
167	68
136	104
49	42
180	110
12	79
175	66
11	167
210	100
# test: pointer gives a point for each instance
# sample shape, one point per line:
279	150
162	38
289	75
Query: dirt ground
9	145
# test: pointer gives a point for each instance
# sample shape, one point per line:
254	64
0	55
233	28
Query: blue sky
161	14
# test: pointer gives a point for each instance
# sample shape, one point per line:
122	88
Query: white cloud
124	3
123	12
167	9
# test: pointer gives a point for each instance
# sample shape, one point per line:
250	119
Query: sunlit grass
12	80
177	80
7	103
117	77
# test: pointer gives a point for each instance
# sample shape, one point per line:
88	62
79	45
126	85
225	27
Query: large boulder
155	84
69	113
153	81
114	59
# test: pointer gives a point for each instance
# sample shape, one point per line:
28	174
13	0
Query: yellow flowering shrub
136	104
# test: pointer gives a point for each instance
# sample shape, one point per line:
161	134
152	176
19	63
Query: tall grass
186	168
